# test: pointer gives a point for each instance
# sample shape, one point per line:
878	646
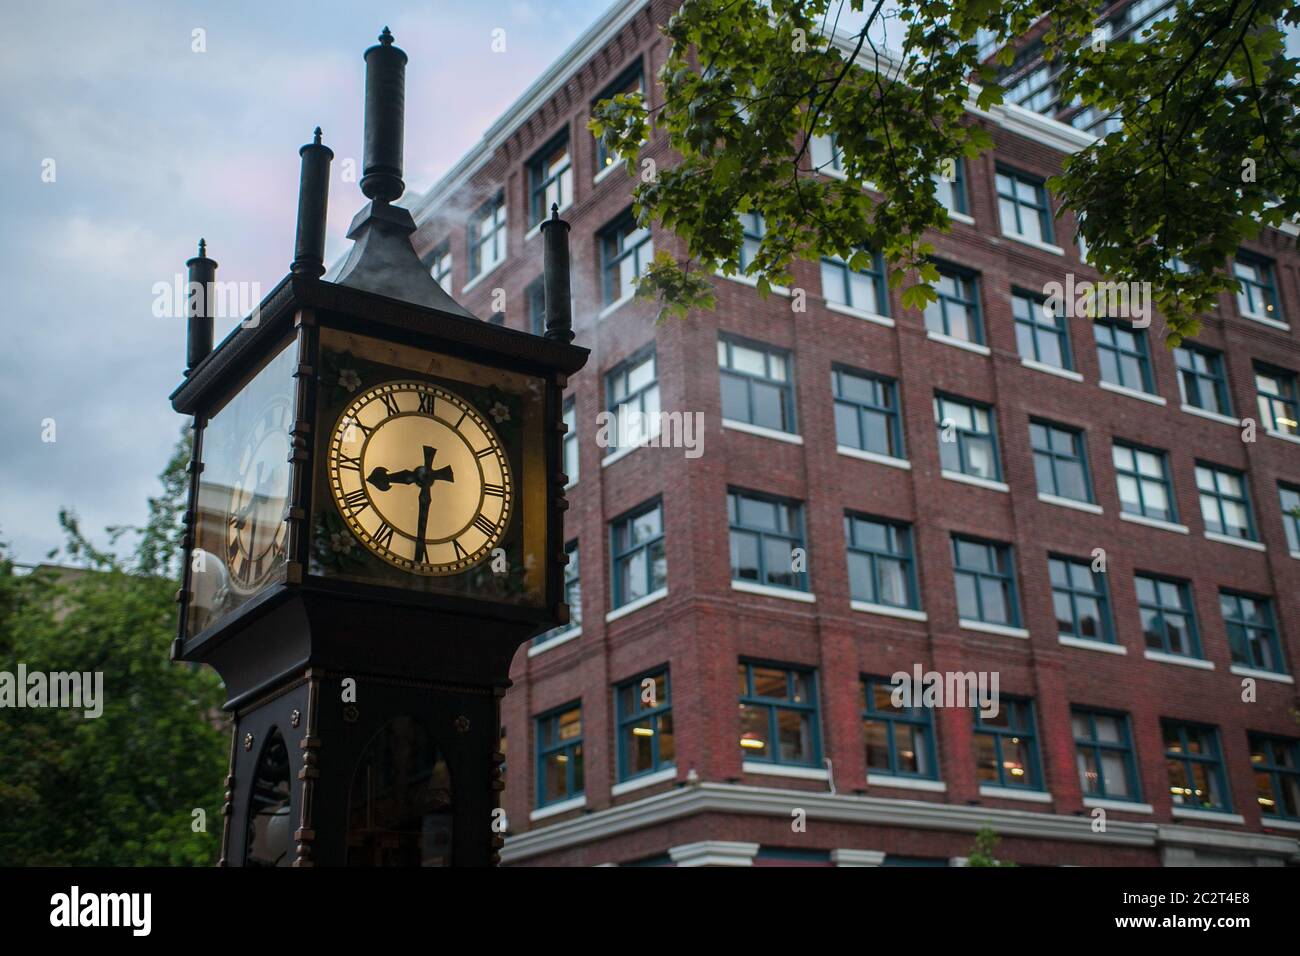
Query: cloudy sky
154	145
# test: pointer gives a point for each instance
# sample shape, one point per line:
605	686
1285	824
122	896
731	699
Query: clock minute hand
425	481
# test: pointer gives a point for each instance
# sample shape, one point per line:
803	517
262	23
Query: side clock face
420	477
255	525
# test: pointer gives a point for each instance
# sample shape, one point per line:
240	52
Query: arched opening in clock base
269	839
400	806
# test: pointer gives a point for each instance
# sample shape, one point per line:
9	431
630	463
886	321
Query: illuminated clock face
420	477
255	525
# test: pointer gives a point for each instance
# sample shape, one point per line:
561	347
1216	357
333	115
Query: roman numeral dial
420	477
255	529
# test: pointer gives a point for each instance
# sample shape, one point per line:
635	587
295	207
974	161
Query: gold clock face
420	477
255	525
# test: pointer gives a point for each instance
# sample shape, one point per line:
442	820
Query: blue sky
155	145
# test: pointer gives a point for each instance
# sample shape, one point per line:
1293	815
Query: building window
967	443
756	385
632	396
881	568
572	596
559	755
536	296
625	253
640	562
1006	748
1168	620
765	533
1225	502
985	579
866	413
440	264
631	80
571	440
1252	631
956	313
1040	334
487	236
1201	379
899	740
861	287
778	714
1290	501
752	228
1276	393
1104	752
951	193
1122	353
1023	208
1079	597
1060	461
826	154
645	725
1195	765
550	179
1145	488
1256	288
1276	762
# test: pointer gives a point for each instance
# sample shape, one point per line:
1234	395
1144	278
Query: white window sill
536	230
1087	506
1242	671
762	432
906	783
1001	630
571	484
614	306
988	483
960	217
1212	416
564	806
478	279
1163	658
1123	805
1218	816
618	453
1132	393
636	605
1088	645
607	171
770	591
958	343
1265	320
834	173
1284	436
1072	375
872	456
1268	823
648	780
860	314
753	281
906	613
563	638
1295	554
1011	793
1034	243
1154	523
1239	542
782	770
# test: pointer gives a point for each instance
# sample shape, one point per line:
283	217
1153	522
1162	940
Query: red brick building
987	488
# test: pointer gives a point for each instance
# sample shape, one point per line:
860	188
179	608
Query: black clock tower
375	525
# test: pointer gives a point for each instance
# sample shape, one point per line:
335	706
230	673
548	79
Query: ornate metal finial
203	248
555	278
555	210
316	135
386	38
313	199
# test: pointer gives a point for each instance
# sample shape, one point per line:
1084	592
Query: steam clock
374	527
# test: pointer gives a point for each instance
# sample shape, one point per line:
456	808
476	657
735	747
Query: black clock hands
423	477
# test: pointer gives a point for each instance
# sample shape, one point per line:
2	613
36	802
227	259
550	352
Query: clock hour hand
383	480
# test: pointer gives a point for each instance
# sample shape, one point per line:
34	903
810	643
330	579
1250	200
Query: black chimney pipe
313	200
199	295
385	114
555	284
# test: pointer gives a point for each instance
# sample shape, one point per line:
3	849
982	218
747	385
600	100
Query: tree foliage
119	789
984	853
747	82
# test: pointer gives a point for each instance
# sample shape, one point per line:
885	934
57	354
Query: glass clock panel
240	544
430	472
